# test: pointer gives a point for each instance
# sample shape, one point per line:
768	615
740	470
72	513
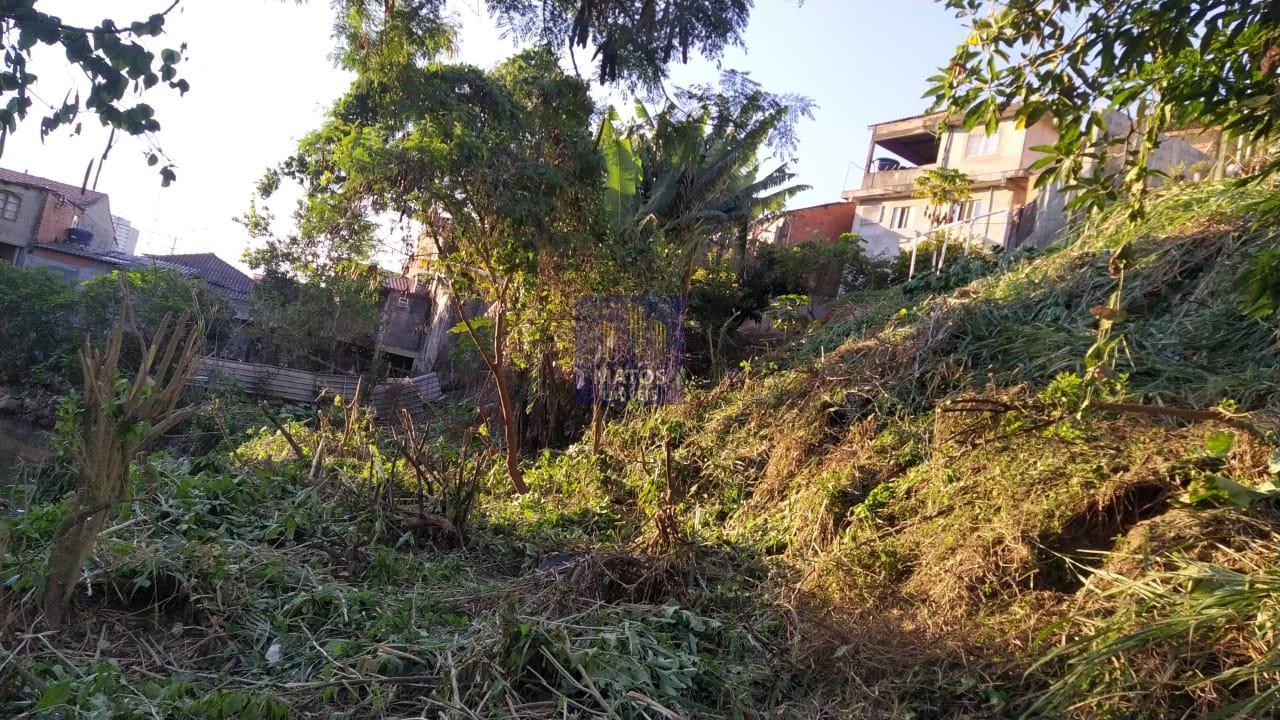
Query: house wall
822	223
97	219
1042	133
56	215
872	224
404	328
1012	152
20	231
73	268
881	241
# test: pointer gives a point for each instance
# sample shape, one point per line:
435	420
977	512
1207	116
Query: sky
261	77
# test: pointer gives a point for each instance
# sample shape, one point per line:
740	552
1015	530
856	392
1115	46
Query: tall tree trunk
510	429
497	365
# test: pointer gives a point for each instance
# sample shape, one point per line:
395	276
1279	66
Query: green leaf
622	174
1219	443
476	324
55	694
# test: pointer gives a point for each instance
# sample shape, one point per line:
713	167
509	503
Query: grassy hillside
903	513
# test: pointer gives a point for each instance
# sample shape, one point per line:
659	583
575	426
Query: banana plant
679	180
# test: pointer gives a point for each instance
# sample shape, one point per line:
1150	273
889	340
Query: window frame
967	210
5	197
900	217
988	144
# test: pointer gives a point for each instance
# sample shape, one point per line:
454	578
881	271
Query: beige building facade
1005	208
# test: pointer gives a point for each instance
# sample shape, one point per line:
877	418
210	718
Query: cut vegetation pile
904	513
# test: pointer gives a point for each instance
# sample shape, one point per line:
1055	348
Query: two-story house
36	212
1006	209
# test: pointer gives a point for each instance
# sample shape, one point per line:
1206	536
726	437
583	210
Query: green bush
46	318
35	306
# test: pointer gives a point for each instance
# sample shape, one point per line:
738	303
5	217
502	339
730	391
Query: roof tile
73	193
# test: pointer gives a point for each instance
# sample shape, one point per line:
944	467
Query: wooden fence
410	394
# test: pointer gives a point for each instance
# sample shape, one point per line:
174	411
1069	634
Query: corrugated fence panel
388	399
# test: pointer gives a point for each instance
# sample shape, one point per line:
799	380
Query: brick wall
57	215
820	223
825	223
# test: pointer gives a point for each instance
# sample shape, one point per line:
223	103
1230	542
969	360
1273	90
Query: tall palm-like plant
681	180
945	189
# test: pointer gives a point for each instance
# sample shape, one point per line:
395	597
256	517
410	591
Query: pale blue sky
261	78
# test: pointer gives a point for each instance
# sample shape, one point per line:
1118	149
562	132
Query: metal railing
969	223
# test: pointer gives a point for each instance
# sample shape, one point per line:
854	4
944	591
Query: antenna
848	169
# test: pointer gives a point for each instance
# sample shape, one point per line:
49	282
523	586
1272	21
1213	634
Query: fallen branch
1212	415
297	449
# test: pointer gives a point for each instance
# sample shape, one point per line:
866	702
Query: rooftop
113	257
212	269
77	195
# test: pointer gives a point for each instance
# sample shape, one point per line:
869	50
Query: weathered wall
56	215
881	241
404	329
820	223
872	224
97	219
20	231
72	267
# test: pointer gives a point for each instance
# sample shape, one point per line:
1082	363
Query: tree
683	179
945	189
320	288
1169	63
115	419
498	168
633	40
112	56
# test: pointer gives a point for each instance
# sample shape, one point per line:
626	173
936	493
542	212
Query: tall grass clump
1195	639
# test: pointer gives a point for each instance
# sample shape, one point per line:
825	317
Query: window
980	143
966	210
875	214
402	302
9	204
899	218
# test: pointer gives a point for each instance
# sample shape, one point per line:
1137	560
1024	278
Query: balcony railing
886	179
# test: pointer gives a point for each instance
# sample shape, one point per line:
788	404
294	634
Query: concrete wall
1042	133
97	219
1012	150
872	223
880	241
19	232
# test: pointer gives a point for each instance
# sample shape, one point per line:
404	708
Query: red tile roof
392	281
72	193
